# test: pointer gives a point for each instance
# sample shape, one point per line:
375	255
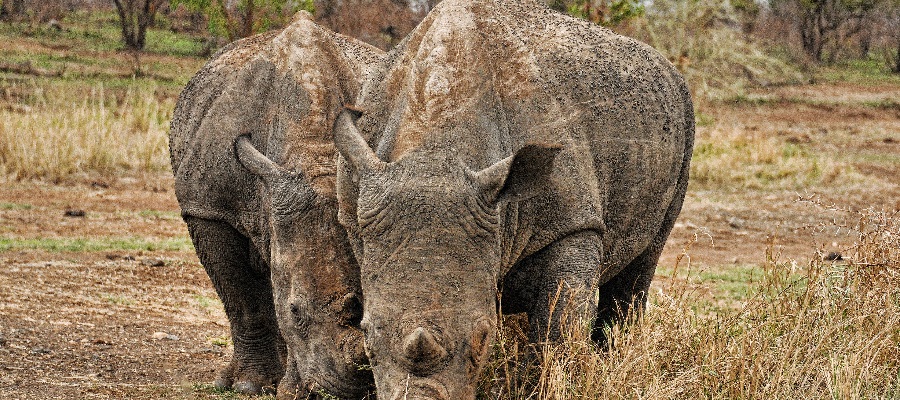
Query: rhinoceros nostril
356	349
351	310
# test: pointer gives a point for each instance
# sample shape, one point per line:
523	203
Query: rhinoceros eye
290	196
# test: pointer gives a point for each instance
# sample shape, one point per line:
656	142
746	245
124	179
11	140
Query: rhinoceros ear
255	162
520	176
351	144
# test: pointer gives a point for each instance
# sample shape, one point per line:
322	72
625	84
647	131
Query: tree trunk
134	17
897	58
125	23
811	34
248	20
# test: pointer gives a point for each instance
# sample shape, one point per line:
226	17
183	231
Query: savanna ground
101	295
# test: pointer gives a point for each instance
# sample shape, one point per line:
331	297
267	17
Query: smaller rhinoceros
254	162
506	151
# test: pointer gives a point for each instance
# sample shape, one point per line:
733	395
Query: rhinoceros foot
242	378
289	388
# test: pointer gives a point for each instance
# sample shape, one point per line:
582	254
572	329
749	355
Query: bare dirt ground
114	322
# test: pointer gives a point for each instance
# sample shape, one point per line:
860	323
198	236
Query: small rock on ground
163	336
153	262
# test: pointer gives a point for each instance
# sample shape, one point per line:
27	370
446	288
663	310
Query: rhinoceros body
254	161
506	146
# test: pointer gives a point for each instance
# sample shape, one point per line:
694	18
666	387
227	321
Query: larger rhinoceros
506	149
254	161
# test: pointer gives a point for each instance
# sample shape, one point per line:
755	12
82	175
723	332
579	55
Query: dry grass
717	61
736	157
826	331
56	132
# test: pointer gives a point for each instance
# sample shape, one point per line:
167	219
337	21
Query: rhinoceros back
486	77
283	89
621	108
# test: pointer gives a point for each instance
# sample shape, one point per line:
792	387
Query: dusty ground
114	323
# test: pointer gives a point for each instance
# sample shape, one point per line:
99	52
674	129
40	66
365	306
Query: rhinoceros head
431	258
315	281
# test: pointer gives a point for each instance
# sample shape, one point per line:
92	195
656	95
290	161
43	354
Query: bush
703	39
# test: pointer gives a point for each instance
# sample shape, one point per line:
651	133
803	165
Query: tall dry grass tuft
732	156
824	331
56	133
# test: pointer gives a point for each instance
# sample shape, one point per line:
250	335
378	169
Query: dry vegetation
718	62
823	330
734	319
62	133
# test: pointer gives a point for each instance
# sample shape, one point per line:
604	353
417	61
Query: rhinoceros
253	155
508	158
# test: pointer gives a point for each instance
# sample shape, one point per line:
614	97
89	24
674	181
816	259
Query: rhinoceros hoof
245	383
247	387
222	383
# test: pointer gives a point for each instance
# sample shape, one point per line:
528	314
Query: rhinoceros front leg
243	284
626	293
556	286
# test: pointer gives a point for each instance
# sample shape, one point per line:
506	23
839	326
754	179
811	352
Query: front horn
352	146
421	346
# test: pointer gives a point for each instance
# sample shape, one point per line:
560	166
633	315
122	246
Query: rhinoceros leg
558	280
626	293
626	290
242	282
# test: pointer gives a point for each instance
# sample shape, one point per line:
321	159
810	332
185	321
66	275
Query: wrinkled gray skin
506	149
254	160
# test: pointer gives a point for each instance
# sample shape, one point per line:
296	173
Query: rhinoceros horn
351	144
421	346
255	162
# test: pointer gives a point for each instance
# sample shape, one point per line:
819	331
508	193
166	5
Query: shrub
703	39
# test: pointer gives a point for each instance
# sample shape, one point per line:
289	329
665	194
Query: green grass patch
206	303
718	288
93	245
732	282
769	100
883	104
703	119
883	159
89	50
116	299
220	341
871	71
173	44
15	206
98	31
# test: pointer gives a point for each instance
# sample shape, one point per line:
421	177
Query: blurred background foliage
722	46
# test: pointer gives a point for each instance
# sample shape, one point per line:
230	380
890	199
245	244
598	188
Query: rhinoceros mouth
421	388
351	388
